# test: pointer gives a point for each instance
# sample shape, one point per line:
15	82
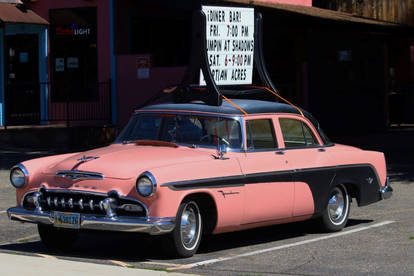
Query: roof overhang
17	13
315	12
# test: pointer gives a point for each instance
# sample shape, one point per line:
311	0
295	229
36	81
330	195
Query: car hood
128	161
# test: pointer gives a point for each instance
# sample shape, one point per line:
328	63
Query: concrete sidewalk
25	265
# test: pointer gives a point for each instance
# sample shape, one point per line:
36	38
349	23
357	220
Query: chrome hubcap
337	206
189	226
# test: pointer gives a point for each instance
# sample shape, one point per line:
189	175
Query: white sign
143	67
60	64
143	73
24	57
73	62
230	44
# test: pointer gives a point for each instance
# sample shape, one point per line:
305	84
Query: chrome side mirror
222	149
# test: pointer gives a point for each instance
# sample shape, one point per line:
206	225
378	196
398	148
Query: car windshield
189	130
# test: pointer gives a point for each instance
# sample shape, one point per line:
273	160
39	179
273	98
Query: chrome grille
59	202
84	203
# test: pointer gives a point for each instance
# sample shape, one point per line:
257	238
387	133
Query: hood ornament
87	158
84	159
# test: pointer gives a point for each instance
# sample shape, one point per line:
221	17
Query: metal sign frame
211	94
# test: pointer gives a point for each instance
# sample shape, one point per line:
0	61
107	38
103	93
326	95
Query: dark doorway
74	55
22	101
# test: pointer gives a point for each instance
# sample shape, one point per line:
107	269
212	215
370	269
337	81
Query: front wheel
336	213
57	238
184	240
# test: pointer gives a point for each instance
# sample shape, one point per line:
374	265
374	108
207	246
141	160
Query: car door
308	158
268	190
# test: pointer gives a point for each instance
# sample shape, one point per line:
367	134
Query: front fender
35	168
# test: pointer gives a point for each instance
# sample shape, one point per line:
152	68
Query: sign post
225	41
230	44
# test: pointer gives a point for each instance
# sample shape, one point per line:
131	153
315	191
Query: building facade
395	11
23	65
79	60
99	49
394	49
105	58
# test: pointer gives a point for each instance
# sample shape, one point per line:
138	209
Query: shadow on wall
57	138
17	145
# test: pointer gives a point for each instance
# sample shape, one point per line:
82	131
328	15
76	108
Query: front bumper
153	226
386	191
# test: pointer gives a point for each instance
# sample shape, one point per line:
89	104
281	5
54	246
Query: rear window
296	133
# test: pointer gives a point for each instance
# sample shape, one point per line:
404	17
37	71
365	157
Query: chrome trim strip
243	130
152	226
69	191
194	113
386	191
25	172
76	175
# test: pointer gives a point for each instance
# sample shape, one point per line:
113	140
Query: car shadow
264	235
94	246
355	222
130	247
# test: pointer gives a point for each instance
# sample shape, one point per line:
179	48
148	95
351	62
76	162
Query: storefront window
73	62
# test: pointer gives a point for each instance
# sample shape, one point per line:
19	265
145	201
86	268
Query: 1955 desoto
213	161
182	170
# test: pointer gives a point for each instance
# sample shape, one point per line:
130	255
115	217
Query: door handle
321	150
280	152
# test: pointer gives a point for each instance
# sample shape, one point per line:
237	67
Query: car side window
260	135
296	133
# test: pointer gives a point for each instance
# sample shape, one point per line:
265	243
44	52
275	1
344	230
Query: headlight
146	185
18	176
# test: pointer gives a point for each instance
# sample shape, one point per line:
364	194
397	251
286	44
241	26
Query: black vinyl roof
249	106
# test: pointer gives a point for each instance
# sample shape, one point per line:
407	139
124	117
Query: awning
16	13
315	12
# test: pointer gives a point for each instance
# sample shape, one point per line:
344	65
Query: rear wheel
57	238
336	213
185	239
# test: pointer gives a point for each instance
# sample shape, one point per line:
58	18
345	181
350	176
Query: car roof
229	108
249	106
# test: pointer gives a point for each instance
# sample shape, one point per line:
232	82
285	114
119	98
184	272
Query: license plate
67	220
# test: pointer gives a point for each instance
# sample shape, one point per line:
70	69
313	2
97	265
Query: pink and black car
165	175
189	168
